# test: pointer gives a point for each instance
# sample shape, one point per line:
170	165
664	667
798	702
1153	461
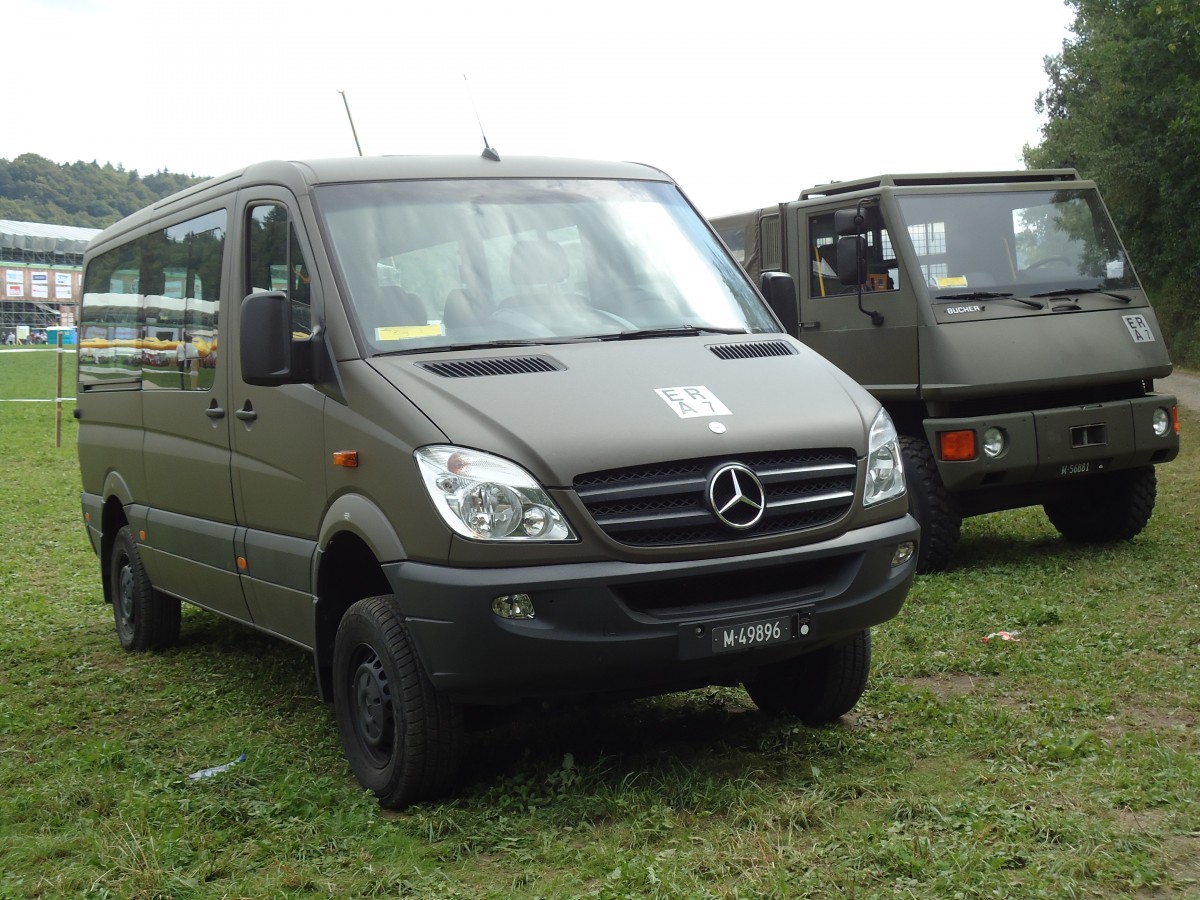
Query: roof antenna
353	130
489	152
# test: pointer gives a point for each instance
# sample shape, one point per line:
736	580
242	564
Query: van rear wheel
146	619
817	688
401	737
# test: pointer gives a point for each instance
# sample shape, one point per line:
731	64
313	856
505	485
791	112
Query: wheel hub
373	707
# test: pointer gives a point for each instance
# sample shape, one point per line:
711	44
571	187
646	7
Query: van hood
564	409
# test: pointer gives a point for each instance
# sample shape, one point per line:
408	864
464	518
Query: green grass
1063	765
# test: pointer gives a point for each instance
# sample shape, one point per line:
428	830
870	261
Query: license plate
747	635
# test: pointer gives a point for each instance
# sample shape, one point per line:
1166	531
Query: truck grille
666	504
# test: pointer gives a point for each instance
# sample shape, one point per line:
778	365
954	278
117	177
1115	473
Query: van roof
301	175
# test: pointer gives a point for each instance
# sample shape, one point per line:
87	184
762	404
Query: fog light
513	606
904	552
995	441
1162	421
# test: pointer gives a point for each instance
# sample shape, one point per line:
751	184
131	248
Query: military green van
476	432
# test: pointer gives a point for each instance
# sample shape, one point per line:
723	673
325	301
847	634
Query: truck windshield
432	264
1018	242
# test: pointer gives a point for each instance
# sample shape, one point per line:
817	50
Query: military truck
999	320
477	432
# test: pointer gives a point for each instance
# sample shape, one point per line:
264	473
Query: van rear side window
149	314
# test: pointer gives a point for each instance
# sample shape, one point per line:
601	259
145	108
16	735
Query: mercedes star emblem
736	496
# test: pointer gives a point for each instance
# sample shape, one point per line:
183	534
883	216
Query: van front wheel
401	737
146	619
817	688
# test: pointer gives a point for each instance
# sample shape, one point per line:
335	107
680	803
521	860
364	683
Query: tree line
88	195
1123	107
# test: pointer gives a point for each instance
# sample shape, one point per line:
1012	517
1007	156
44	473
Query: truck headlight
486	498
885	472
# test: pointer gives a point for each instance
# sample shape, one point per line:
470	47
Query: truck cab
998	318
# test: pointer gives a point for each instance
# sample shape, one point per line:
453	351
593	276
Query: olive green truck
475	432
998	319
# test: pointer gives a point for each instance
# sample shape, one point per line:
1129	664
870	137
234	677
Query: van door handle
246	413
215	412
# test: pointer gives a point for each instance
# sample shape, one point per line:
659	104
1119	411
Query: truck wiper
487	345
990	295
1122	297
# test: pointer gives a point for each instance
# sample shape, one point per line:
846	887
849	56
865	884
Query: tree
1124	108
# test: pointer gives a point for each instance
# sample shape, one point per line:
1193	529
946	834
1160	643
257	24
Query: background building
42	267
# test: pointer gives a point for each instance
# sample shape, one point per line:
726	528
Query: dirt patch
1185	386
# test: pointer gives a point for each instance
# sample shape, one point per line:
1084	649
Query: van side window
149	314
276	262
883	272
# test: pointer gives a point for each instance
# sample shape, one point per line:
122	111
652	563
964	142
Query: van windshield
430	264
1018	242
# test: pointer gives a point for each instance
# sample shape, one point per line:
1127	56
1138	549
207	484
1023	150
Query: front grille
666	504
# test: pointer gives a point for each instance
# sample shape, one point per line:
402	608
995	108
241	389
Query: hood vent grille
509	365
754	350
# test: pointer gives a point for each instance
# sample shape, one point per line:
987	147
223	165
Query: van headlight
486	498
885	472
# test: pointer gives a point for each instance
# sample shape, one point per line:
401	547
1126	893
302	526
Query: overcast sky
745	102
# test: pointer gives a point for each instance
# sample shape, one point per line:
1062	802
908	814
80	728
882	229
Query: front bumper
1051	444
643	628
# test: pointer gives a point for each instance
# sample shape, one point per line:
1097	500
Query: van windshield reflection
455	265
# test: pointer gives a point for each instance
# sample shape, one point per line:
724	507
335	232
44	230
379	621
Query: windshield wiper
990	295
1122	297
671	331
488	345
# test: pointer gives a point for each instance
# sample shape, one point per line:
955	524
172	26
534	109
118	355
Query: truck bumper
1052	444
645	628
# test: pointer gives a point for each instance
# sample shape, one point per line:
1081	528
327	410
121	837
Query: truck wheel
401	737
819	687
934	507
146	619
1111	507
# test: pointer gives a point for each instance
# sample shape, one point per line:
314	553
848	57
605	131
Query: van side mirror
849	221
265	339
780	290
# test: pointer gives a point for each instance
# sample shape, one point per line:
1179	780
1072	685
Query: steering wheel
1047	260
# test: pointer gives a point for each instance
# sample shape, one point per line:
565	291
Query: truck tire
401	737
146	619
1112	507
817	688
934	507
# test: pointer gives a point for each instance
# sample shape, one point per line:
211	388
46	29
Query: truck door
277	433
883	358
185	400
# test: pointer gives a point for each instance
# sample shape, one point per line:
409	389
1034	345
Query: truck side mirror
265	339
851	258
847	222
780	290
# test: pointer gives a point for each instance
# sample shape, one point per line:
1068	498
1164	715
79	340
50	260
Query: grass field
1064	764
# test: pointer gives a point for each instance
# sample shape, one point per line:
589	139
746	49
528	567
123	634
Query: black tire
935	508
146	619
817	688
401	737
1112	507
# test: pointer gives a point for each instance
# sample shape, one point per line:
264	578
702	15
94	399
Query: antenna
353	130
488	151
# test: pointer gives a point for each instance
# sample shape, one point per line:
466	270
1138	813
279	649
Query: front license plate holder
738	636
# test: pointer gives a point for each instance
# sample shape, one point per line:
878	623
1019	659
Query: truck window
883	271
1019	242
149	316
